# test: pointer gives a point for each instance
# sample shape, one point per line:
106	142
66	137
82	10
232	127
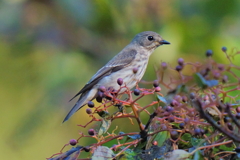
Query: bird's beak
163	42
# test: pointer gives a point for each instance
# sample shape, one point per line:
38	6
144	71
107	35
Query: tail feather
84	98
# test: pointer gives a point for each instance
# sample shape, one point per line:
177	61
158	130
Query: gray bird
135	55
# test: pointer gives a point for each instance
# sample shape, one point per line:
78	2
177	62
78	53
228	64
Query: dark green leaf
103	114
128	154
203	83
198	156
137	136
162	100
161	137
104	126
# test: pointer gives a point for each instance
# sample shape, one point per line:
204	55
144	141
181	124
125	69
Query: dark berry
86	149
88	111
155	143
178	98
186	120
197	131
181	125
237	149
238	115
157	89
73	142
238	109
90	104
174	103
209	53
192	95
120	81
203	131
169	109
225	79
184	99
100	94
91	132
163	127
227	119
224	49
229	125
102	89
216	75
174	134
206	98
171	119
221	67
136	92
179	68
99	97
155	83
164	65
108	98
135	70
181	61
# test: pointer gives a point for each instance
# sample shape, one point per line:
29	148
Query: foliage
197	119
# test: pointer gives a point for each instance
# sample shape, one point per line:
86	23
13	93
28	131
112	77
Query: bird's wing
120	61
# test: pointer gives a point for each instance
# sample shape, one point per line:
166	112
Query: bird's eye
150	38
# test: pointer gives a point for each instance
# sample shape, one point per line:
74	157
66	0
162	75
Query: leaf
71	154
134	137
177	154
161	137
198	156
102	153
128	154
162	100
186	137
103	114
195	142
203	83
104	126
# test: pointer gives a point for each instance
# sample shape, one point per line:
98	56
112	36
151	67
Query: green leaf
225	148
198	156
103	114
162	101
161	137
187	138
104	126
134	137
178	154
195	142
102	153
128	154
203	83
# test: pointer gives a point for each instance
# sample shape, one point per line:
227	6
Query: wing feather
118	62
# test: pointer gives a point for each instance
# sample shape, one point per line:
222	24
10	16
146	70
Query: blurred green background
50	48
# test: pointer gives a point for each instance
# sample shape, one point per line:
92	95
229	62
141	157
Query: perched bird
134	55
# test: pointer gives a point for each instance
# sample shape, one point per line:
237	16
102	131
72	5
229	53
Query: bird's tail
84	98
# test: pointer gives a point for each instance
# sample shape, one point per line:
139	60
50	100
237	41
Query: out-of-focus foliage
50	48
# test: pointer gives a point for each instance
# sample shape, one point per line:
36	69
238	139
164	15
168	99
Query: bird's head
149	40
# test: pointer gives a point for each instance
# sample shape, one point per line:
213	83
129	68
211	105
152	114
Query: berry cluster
201	111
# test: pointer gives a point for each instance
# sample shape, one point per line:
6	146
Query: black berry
73	142
91	132
120	81
136	92
90	104
209	53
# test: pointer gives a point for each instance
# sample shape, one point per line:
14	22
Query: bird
134	56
